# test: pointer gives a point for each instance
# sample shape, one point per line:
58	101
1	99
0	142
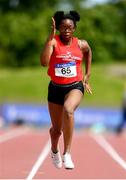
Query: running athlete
63	54
122	124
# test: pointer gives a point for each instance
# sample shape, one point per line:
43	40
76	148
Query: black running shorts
57	92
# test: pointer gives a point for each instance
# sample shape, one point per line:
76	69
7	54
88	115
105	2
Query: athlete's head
59	16
66	23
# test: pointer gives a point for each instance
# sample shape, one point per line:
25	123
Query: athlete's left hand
86	84
87	87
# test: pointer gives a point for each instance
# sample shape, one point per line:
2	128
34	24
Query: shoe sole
69	168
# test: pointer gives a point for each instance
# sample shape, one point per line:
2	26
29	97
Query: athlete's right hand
53	32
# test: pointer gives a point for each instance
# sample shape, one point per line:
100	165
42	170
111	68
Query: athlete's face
66	29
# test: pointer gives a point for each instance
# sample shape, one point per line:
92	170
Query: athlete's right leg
56	112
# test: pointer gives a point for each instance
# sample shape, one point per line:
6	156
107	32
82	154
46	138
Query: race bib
66	69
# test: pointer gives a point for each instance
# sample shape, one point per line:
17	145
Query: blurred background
24	27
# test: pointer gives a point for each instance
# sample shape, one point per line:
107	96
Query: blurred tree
26	5
4	5
25	25
104	27
21	38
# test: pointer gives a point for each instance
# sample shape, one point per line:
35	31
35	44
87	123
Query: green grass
31	84
23	85
107	88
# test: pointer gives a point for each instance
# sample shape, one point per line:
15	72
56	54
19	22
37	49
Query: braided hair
60	15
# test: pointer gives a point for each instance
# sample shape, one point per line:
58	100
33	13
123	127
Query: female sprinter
63	54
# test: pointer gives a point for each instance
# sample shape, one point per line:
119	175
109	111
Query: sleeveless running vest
65	62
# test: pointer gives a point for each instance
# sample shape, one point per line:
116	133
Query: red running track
25	154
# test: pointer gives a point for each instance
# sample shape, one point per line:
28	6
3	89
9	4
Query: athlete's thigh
56	113
73	99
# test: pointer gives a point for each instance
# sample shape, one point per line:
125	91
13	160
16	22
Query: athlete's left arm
87	53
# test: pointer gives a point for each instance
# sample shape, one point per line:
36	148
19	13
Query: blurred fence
39	115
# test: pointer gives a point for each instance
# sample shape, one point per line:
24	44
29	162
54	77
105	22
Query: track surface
25	154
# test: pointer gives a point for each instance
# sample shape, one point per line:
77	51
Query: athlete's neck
66	41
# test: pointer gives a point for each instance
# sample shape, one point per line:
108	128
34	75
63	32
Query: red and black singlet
65	63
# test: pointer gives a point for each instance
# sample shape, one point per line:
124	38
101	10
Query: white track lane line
13	134
39	161
109	149
63	179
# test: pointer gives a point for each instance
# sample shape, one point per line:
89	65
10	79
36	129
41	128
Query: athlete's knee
68	109
55	132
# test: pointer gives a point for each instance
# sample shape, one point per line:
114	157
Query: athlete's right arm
48	47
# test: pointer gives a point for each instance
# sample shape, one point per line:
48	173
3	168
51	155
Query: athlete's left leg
72	100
